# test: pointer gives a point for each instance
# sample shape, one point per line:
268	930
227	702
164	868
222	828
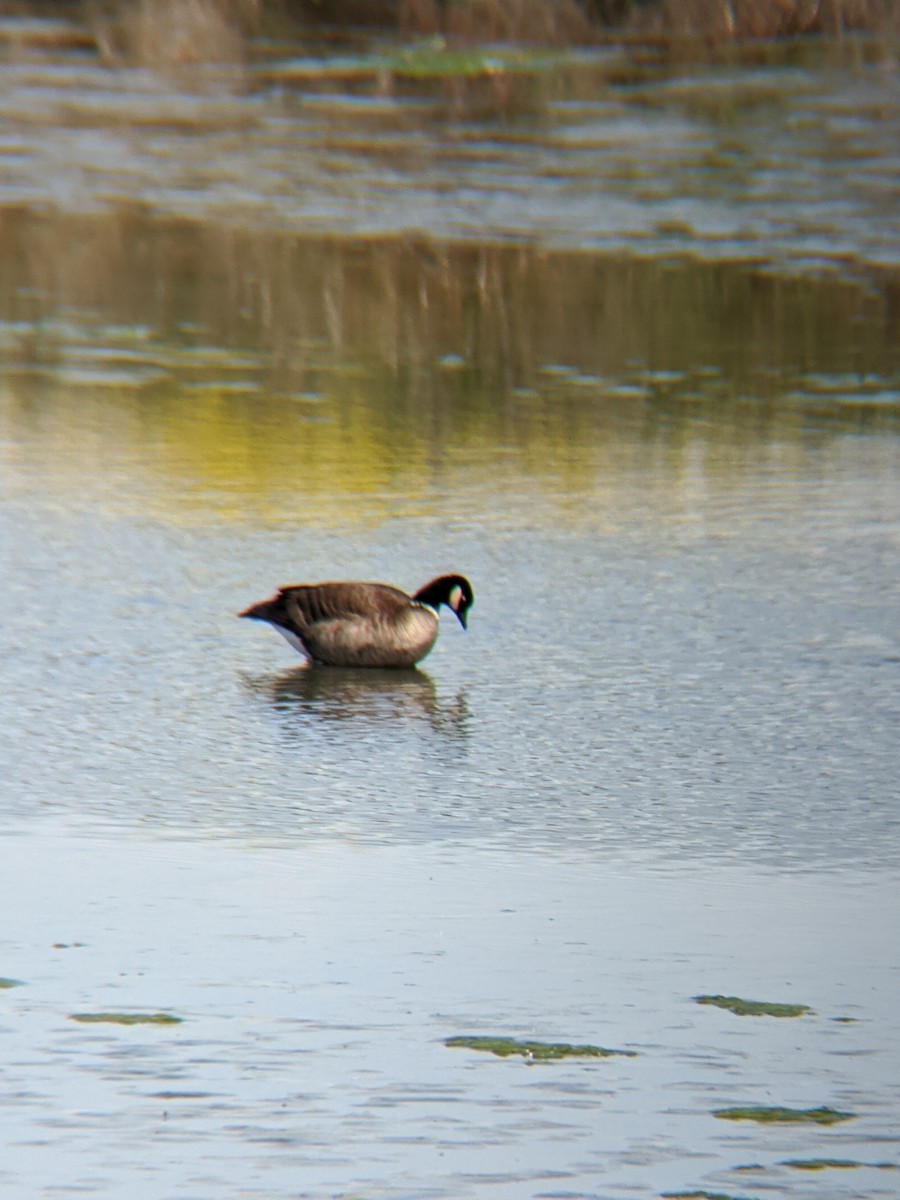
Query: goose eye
455	597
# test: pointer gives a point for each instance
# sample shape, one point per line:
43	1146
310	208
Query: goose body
363	624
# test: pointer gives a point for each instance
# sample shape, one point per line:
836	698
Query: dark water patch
10	983
181	1095
503	1047
784	1116
754	1008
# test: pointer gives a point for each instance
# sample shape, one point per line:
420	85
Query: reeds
159	33
559	22
172	32
738	20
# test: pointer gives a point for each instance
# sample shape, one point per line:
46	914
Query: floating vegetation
435	60
701	1196
503	1047
784	1116
123	1018
10	983
754	1008
839	1164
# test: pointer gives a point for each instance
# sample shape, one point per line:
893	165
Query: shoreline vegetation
160	32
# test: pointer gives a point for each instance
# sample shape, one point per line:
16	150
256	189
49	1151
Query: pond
618	340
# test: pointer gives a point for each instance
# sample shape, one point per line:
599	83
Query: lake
615	337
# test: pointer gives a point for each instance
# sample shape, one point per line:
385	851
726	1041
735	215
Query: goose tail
264	611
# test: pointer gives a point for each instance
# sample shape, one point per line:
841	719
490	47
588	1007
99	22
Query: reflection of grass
123	1018
754	1008
503	1047
10	983
784	1116
410	363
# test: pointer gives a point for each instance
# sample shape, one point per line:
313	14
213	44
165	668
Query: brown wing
309	604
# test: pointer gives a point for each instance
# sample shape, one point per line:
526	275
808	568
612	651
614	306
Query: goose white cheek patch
455	597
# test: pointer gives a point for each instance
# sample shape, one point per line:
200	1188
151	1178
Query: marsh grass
540	22
718	20
178	33
158	33
572	22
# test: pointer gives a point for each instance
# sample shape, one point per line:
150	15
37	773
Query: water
318	982
662	760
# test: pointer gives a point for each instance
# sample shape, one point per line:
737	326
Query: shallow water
662	760
791	157
317	983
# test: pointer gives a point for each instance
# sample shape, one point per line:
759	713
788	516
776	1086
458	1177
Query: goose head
453	590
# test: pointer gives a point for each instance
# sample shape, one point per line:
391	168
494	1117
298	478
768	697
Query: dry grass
557	22
749	19
160	33
543	22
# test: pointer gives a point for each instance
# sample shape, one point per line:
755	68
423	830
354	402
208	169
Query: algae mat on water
754	1008
121	1018
503	1047
838	1164
701	1196
784	1116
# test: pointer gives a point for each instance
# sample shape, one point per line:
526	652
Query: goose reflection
372	696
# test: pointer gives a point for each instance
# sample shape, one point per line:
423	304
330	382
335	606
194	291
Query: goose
363	624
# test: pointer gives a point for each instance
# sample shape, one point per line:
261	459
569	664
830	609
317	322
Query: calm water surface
661	762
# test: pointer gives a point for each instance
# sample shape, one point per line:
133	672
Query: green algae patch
10	983
122	1018
836	1164
503	1047
754	1008
701	1196
784	1116
435	60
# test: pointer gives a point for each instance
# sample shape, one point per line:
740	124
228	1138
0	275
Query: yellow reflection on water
199	371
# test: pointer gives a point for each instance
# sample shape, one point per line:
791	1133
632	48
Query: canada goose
363	624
